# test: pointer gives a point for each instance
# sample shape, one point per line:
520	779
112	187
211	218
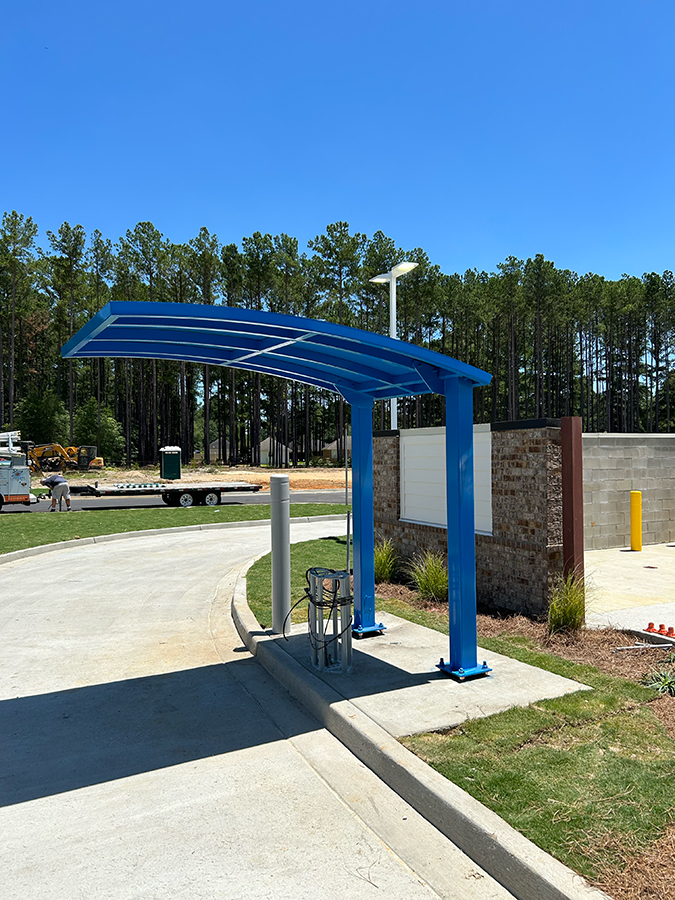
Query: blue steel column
364	526
461	531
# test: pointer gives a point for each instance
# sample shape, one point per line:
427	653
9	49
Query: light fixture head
399	269
403	267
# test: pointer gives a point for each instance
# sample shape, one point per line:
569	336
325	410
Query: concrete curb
649	637
515	862
124	535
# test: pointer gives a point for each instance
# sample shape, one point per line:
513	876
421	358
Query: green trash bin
169	462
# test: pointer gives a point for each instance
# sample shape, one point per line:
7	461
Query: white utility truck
14	473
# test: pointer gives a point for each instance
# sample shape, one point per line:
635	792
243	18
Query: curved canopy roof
346	360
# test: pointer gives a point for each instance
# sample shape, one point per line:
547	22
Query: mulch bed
400	592
645	876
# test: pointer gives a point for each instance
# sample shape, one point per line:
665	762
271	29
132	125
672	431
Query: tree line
555	343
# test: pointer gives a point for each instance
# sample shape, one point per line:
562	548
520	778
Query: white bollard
281	553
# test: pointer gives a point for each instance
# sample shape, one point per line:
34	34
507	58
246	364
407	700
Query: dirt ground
642	876
314	479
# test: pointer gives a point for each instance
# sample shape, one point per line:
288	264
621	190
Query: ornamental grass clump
662	680
386	562
429	574
567	606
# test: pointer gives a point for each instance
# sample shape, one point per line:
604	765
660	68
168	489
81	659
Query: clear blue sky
472	129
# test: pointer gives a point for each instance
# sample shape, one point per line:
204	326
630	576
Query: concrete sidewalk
146	753
395	681
395	689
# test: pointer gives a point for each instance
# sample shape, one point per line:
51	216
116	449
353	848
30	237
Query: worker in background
59	487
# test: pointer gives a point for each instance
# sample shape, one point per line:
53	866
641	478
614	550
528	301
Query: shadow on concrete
52	743
370	674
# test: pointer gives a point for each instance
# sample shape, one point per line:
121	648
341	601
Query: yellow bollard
636	520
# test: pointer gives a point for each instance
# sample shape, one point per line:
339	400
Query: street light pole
392	308
393	406
391	277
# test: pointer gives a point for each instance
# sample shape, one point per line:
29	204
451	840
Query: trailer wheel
211	498
186	500
1	499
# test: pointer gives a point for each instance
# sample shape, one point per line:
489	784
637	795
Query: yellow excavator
55	458
85	457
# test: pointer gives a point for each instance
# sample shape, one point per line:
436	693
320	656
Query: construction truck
14	471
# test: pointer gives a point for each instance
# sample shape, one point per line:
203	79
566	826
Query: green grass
330	552
429	618
582	776
20	531
575	775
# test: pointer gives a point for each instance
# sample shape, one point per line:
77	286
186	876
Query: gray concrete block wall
615	465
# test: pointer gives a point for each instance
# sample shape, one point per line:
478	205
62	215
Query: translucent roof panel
323	354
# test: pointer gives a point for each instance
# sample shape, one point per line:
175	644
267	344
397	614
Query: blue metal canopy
319	353
363	368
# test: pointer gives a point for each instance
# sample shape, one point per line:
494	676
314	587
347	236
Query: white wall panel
423	494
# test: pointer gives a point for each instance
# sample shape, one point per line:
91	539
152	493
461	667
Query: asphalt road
152	502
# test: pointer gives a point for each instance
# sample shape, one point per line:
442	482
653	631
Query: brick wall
516	564
615	465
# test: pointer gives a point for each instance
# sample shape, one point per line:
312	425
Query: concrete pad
123	609
623	579
405	831
629	589
249	818
635	619
395	681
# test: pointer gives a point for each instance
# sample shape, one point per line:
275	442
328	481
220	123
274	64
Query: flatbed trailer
184	494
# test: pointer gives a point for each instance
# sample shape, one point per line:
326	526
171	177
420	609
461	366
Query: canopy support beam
461	532
364	521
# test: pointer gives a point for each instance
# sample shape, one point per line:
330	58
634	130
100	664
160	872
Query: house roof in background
334	444
270	444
